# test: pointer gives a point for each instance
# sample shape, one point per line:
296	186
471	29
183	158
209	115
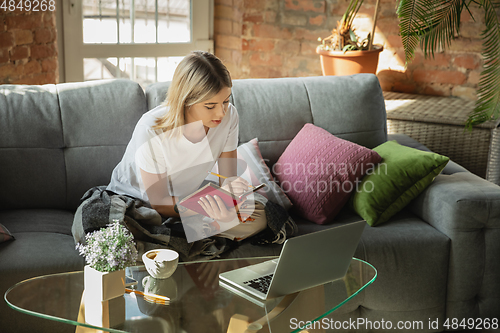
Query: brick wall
28	49
228	15
278	38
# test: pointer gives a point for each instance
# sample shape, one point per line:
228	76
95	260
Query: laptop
305	261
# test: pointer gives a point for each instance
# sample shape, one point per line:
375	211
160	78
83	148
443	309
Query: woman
175	145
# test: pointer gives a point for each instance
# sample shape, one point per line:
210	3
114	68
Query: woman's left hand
216	209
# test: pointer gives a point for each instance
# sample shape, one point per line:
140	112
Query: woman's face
211	111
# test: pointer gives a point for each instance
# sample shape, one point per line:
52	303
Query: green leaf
433	24
470	13
353	36
349	47
351	12
488	102
411	14
445	23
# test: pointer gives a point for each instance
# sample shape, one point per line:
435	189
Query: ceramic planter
350	62
108	314
103	286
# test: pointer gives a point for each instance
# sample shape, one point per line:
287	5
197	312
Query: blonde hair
198	77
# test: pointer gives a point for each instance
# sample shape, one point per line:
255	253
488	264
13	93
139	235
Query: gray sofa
438	258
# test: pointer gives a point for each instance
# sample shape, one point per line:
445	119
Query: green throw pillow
402	175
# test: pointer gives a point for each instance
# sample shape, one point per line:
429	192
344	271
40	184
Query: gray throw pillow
260	173
257	172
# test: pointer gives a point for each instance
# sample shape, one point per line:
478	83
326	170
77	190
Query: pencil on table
161	299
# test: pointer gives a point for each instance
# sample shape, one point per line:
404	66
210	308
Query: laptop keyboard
261	284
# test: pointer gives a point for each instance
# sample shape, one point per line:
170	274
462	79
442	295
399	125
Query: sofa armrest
466	208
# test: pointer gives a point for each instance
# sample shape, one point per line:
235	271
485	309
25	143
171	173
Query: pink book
230	199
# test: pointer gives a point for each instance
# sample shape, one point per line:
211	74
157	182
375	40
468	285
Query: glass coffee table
197	302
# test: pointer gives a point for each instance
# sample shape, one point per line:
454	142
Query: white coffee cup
160	263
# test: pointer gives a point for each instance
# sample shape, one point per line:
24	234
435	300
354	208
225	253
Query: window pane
99	21
174	22
136	21
124	25
97	69
166	67
142	70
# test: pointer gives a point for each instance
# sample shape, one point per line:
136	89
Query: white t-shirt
186	163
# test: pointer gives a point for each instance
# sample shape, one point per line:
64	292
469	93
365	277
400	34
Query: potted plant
345	53
108	252
434	25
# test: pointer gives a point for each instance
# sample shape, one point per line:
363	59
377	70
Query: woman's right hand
216	209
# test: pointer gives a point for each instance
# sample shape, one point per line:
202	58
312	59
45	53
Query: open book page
230	200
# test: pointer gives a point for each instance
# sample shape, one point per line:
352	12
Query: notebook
305	261
231	200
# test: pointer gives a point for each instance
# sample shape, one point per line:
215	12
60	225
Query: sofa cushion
403	174
31	148
318	171
42	253
408	254
34	254
96	138
53	134
43	245
37	220
412	262
393	249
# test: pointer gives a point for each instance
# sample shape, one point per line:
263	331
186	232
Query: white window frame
74	50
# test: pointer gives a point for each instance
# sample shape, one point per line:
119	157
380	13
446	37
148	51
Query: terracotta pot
350	62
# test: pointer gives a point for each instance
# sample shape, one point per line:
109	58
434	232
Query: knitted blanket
100	207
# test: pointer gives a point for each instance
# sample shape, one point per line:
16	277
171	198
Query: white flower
109	249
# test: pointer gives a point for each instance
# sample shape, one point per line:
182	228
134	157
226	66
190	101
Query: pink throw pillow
318	171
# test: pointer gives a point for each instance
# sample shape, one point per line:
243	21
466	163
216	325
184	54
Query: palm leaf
488	102
413	19
467	7
444	23
430	23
